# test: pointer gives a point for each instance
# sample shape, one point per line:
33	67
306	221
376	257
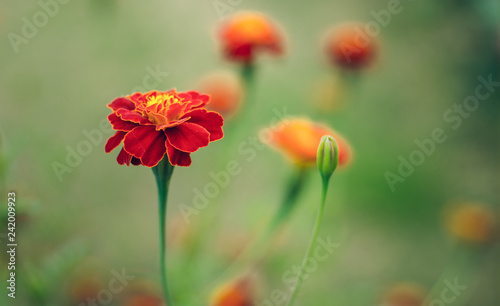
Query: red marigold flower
349	46
154	123
247	32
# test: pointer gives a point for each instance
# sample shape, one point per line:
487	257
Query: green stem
249	105
312	242
256	249
163	173
294	188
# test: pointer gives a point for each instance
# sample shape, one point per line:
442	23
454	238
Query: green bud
328	156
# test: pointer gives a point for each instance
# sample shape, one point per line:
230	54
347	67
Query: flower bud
328	156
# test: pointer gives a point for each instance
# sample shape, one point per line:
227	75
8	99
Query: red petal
197	96
211	121
156	152
121	103
135	96
119	125
197	99
124	158
132	116
176	157
188	137
174	110
146	143
114	141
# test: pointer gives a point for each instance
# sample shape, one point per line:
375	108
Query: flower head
299	138
471	223
404	294
245	33
154	123
350	47
141	292
225	90
235	293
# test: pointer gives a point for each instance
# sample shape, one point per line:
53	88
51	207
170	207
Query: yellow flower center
155	100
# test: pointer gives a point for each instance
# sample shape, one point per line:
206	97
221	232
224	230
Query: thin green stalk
312	242
256	249
248	108
294	188
163	173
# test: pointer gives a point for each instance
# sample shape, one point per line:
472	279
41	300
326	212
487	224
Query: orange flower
141	292
245	33
299	138
404	294
236	293
471	223
155	123
85	287
225	92
349	46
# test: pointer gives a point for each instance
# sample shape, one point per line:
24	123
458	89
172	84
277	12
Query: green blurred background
103	216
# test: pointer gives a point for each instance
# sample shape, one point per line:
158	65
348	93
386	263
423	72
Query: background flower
299	138
350	46
225	90
471	222
245	34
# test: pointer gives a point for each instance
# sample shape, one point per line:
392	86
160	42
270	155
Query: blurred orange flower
349	46
299	138
245	33
235	293
404	294
472	223
141	292
85	287
225	90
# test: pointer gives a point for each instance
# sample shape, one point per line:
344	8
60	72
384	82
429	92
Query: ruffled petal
119	125
197	99
188	137
197	96
145	143
132	116
124	158
114	141
176	157
120	103
211	121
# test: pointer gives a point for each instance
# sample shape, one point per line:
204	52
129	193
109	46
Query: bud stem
312	242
